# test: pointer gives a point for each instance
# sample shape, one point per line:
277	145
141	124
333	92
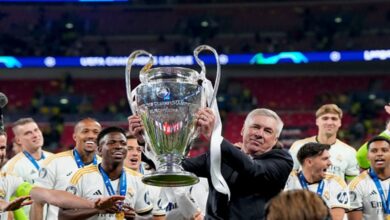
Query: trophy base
170	179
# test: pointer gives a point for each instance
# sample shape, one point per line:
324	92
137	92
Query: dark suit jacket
252	181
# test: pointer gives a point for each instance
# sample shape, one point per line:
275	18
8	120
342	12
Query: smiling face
29	136
85	135
113	148
379	154
259	135
133	158
328	124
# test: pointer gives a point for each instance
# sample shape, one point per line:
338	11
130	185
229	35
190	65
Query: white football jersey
8	186
21	166
88	183
342	156
200	193
56	172
365	197
335	191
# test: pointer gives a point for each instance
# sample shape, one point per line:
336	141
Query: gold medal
120	215
387	217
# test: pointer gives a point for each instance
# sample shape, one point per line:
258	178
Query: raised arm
67	200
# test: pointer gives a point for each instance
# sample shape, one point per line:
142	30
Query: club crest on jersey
130	191
326	195
71	189
42	172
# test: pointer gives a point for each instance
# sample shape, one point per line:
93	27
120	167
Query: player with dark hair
315	160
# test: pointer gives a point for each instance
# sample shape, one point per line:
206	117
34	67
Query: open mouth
134	160
379	161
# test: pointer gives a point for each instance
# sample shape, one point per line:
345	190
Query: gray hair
268	113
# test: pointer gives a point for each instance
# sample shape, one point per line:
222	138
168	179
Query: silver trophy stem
203	72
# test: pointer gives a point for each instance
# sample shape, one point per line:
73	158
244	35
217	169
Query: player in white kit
58	169
369	192
9	184
315	160
110	178
27	163
342	156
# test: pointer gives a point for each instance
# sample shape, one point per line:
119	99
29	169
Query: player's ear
74	136
99	149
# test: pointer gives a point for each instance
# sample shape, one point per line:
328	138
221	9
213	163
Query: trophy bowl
166	101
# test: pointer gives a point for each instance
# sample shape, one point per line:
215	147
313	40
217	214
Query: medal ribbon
385	202
141	169
303	182
122	182
32	160
78	160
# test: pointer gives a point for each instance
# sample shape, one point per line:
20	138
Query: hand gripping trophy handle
199	49
217	179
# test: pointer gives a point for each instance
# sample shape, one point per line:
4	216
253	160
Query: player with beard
58	169
342	156
315	160
369	192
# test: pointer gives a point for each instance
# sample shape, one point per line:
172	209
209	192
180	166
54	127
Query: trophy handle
130	61
203	72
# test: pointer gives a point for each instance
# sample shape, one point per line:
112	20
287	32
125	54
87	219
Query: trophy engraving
166	101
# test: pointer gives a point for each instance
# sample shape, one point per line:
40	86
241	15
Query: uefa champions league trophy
166	101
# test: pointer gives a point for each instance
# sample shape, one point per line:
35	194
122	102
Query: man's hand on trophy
205	120
136	128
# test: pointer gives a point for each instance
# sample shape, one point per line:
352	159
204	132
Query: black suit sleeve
197	165
273	168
